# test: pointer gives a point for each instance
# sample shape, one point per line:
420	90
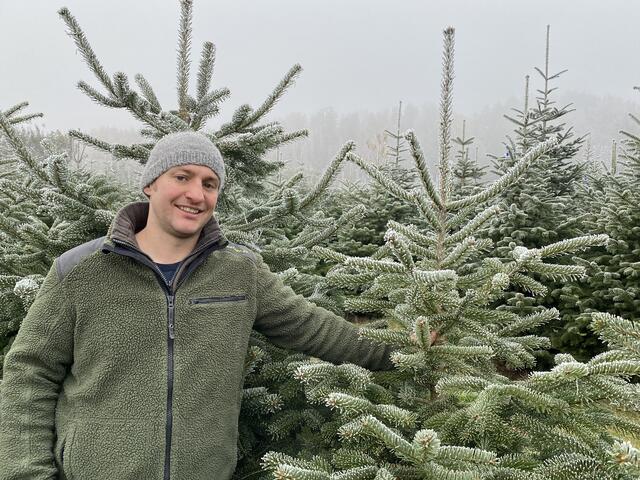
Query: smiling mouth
189	210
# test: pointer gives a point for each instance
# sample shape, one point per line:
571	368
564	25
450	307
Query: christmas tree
455	409
610	200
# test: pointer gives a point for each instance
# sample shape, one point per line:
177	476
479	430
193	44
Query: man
129	364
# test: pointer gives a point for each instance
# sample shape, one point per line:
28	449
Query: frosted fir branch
208	106
386	336
421	252
396	416
462	351
460	253
433	277
359	378
184	48
97	97
24	118
549	77
557	272
412	233
617	331
383	252
136	152
529	322
384	474
426	209
529	284
612	355
423	170
446	114
271	461
355	473
314	372
14	109
540	402
350	281
381	178
277	93
23	154
392	440
473	225
461	383
509	178
453	453
99	144
214	97
573	245
380	266
234	126
347	218
56	168
148	93
10	227
85	49
205	72
328	254
624	368
367	305
176	123
399	247
345	403
290	472
459	218
72	204
329	174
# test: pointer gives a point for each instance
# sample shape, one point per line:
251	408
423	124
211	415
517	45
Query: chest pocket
217	299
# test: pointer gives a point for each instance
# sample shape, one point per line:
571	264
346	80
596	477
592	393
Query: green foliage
610	201
448	409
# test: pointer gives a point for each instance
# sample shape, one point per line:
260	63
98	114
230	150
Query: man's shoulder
69	259
240	249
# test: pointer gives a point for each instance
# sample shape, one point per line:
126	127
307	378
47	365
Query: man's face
182	199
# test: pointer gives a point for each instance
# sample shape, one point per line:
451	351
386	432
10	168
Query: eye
211	186
181	177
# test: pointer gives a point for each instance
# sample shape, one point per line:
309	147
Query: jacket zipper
170	293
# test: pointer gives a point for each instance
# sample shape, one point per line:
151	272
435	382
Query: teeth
189	210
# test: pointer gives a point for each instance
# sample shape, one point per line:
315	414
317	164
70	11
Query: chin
186	232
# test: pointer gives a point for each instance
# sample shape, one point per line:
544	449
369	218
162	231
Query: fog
360	57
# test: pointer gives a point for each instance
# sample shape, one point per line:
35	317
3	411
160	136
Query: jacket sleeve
291	321
33	371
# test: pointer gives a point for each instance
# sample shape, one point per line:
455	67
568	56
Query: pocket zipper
228	298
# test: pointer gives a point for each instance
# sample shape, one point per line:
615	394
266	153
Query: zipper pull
172	334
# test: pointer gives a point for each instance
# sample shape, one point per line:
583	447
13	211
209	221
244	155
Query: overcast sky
356	54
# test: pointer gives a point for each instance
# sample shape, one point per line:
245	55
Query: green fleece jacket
117	375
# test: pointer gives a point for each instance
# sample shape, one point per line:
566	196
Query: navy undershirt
168	270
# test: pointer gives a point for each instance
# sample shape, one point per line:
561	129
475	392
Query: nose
194	192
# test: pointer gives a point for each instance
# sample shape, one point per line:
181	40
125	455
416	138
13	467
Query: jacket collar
133	217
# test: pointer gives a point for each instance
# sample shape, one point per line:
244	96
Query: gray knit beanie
182	148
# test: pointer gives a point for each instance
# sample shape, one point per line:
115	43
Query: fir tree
243	141
466	170
398	147
447	411
543	208
540	209
610	198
